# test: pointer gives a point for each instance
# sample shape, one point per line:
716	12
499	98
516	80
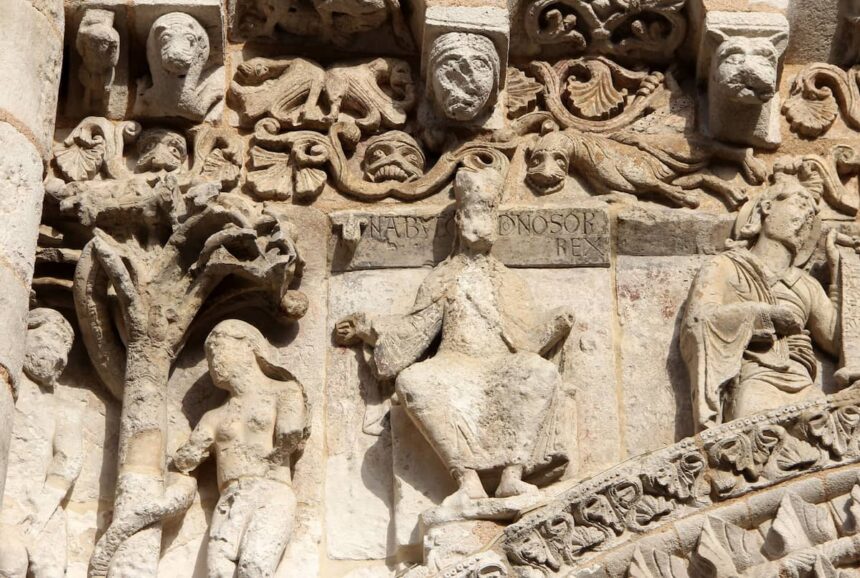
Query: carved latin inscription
563	237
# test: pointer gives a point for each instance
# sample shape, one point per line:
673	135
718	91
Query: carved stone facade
425	289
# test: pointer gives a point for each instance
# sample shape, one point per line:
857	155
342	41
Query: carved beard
392	168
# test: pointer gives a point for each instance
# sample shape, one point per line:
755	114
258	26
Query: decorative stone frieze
384	289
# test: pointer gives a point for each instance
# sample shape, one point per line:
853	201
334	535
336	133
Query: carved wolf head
746	69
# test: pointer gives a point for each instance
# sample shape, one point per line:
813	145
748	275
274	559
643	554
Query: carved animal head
161	150
49	340
177	44
548	163
393	156
98	41
464	74
747	69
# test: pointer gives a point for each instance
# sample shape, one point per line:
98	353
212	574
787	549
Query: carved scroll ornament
644	30
299	163
719	464
818	95
595	94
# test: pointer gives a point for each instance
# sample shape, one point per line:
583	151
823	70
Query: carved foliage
597	95
721	463
95	148
818	94
803	539
646	30
300	163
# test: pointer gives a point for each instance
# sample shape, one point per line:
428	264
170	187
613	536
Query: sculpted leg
470	487
445	397
224	536
268	533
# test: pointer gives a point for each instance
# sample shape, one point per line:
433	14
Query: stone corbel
191	83
464	59
99	61
740	64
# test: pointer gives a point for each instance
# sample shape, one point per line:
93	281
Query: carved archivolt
722	463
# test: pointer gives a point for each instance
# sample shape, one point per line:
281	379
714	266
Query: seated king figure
486	400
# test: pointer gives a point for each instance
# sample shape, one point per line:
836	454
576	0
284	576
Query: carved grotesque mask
477	193
49	340
393	156
548	163
464	74
161	150
747	68
178	42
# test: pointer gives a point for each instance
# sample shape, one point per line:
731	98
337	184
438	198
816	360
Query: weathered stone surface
29	99
651	296
365	289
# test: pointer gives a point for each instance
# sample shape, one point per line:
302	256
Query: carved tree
158	256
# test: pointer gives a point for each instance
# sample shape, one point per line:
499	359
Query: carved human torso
244	436
472	317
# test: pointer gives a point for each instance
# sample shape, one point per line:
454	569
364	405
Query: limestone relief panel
375	289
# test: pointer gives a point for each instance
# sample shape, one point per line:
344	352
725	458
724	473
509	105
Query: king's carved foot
512	484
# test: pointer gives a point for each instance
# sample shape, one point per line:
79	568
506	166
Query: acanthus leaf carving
301	162
818	94
595	94
95	147
522	91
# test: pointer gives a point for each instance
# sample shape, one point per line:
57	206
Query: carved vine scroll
646	30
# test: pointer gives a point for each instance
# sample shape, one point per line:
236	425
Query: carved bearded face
49	340
393	156
789	214
179	43
161	150
464	74
548	163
